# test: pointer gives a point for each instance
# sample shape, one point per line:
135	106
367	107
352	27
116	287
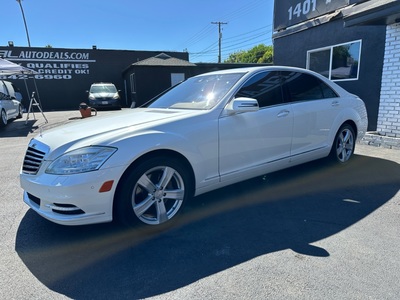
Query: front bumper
104	103
71	199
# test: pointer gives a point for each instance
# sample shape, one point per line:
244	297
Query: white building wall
389	107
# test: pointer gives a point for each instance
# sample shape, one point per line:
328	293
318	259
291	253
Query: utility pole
26	27
219	39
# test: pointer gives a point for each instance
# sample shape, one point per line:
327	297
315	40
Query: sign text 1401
302	8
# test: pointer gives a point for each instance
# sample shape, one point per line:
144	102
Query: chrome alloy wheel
3	118
158	195
344	144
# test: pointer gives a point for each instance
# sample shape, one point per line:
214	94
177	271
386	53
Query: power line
233	44
248	8
199	36
229	44
267	29
231	16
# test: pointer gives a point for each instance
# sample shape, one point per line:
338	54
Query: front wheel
153	193
343	145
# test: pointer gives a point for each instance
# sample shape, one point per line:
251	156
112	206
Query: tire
343	145
153	193
3	118
19	116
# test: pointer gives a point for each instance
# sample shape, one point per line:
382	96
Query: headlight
81	160
116	96
91	97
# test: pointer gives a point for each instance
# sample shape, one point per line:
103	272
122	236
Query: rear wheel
154	192
3	118
343	145
19	116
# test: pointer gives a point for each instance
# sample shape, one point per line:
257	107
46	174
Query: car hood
103	95
105	130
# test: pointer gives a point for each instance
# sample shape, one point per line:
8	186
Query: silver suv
104	95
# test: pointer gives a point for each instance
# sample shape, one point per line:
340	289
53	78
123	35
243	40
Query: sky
149	25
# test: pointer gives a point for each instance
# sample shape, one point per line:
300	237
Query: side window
3	92
265	87
305	87
327	91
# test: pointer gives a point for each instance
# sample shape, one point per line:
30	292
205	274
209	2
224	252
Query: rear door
315	107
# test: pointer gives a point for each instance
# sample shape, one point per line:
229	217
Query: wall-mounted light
10	44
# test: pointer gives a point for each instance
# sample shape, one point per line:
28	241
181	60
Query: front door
252	140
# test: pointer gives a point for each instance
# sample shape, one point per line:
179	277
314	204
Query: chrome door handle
283	113
335	103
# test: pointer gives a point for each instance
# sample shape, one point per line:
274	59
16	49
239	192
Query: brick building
389	107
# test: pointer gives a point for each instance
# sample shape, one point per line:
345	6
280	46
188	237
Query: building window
338	63
133	83
177	78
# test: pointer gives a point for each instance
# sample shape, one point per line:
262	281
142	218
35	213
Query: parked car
104	95
10	107
140	166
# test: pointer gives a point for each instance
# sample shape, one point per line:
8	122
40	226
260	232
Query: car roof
260	68
102	83
256	69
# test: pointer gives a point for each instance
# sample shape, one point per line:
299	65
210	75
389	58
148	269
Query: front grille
32	161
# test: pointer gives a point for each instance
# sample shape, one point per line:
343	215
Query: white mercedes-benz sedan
140	166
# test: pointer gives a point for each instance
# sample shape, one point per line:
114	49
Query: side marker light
106	187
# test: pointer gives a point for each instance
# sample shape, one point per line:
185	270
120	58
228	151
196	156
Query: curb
377	140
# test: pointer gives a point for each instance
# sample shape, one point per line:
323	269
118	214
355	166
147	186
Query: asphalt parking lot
316	231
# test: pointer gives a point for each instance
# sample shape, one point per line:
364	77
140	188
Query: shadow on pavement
289	209
19	128
34	124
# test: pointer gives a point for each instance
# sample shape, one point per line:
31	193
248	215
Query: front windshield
202	92
103	89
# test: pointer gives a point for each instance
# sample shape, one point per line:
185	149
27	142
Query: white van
10	107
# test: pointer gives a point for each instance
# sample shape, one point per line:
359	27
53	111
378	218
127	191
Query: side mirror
243	104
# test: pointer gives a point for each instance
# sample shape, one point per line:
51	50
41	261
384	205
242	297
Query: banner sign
63	75
49	64
290	12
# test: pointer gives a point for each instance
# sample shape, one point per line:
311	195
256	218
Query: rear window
305	87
